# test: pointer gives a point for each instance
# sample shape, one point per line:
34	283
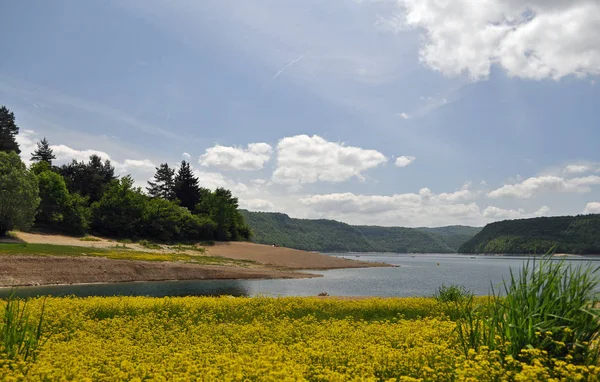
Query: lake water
416	275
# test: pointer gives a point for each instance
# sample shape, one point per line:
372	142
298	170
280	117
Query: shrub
549	305
452	293
18	194
20	333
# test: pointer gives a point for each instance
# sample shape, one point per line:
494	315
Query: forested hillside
334	236
570	234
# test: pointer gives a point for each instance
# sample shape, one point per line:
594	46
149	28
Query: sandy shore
20	270
270	262
285	257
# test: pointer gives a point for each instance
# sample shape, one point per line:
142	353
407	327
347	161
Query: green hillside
570	234
333	236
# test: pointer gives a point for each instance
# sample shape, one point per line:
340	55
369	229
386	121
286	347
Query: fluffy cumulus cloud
534	185
256	204
251	158
496	213
410	209
533	39
404	161
592	208
302	159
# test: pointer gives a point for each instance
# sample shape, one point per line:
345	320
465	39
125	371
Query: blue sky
403	112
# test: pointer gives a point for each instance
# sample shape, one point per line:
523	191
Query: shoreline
32	270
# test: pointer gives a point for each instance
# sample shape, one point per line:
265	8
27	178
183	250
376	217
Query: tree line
83	197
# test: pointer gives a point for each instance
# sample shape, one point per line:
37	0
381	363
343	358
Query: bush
452	293
18	194
549	305
20	334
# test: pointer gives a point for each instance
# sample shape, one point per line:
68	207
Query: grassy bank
237	339
119	252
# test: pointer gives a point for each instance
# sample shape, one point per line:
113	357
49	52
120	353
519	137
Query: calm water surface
416	275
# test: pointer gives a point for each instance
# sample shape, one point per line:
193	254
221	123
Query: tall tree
18	194
43	153
88	179
164	183
187	189
8	131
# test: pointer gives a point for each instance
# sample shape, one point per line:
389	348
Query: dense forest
566	234
82	197
333	236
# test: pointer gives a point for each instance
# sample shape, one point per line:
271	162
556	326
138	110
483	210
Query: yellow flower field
265	339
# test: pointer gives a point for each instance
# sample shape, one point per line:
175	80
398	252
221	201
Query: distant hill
333	236
571	234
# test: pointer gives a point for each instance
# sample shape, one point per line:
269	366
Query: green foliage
43	153
222	208
166	221
452	293
187	189
549	305
18	194
164	183
88	179
149	244
567	234
54	198
333	236
120	211
8	131
20	333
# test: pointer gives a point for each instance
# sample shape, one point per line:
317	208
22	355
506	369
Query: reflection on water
416	275
152	288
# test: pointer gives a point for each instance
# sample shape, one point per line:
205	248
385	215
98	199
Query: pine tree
164	183
43	153
8	131
186	187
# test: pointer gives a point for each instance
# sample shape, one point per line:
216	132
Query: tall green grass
20	332
549	305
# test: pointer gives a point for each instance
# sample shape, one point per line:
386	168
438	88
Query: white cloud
543	211
531	186
533	39
212	180
186	156
404	115
578	169
256	204
499	213
404	161
144	164
410	209
302	159
253	157
592	208
65	153
27	143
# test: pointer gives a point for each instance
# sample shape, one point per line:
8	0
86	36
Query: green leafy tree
187	189
223	210
164	183
18	194
88	179
54	197
60	210
121	210
43	153
8	131
166	221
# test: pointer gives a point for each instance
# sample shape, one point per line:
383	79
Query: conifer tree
187	189
43	153
8	131
164	183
